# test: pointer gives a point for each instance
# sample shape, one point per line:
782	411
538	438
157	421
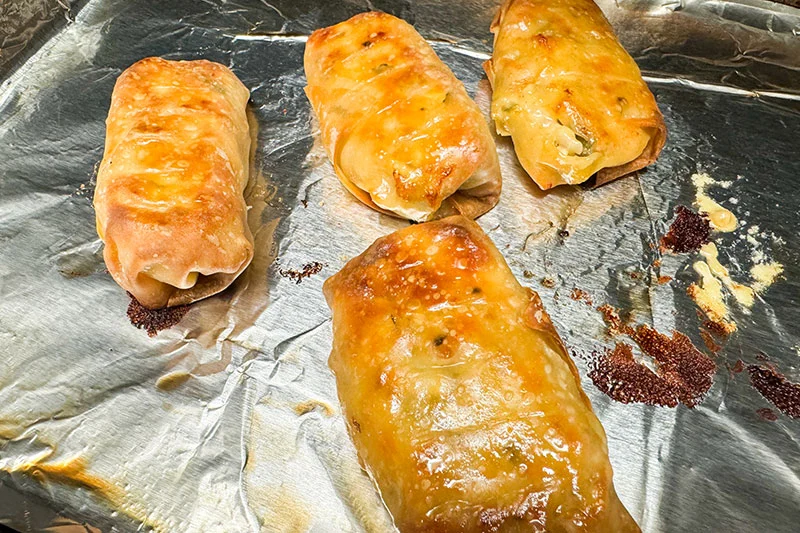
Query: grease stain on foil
683	374
309	406
74	472
172	381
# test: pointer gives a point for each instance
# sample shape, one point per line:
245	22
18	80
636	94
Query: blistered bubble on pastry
170	190
569	95
461	400
403	135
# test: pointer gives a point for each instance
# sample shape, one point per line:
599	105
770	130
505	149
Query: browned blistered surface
400	129
569	95
461	400
169	198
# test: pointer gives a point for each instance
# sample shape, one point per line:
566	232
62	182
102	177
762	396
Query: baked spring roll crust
569	95
459	396
401	131
169	199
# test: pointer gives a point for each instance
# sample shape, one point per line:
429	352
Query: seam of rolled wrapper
462	201
536	317
647	157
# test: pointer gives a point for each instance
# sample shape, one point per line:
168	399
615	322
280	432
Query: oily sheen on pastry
569	95
401	131
169	199
461	400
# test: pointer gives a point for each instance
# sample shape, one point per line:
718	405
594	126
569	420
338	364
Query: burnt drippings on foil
614	323
580	295
687	233
775	387
717	330
688	370
710	342
767	414
683	373
154	320
548	282
307	270
617	374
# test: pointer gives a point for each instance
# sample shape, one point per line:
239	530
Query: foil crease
229	421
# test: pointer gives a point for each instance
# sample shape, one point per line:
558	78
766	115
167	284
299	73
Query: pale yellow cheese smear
721	219
743	294
708	296
765	274
708	293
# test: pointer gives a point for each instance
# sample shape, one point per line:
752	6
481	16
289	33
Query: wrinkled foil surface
229	421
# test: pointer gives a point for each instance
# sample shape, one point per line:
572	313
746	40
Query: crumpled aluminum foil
230	421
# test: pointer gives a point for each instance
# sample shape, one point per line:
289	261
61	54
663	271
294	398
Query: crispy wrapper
170	190
401	131
461	400
569	95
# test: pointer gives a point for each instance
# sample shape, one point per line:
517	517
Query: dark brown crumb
634	275
309	269
709	341
579	295
683	373
527	273
688	232
767	414
563	234
548	282
304	203
738	367
154	320
776	388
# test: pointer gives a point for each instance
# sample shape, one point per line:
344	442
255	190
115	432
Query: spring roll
569	95
169	200
401	131
461	400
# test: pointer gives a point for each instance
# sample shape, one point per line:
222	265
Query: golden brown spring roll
458	393
170	190
569	95
401	131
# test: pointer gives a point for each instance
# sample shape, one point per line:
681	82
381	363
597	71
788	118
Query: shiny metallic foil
229	421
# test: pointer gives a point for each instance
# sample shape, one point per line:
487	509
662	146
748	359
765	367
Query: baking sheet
230	422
